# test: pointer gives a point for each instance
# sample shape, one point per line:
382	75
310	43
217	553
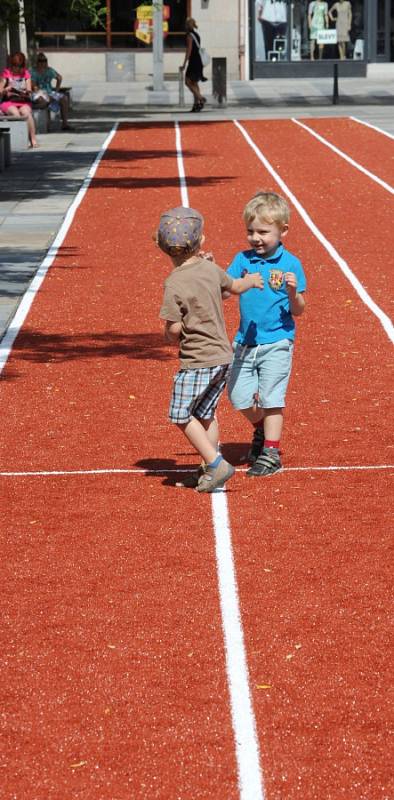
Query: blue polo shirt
265	313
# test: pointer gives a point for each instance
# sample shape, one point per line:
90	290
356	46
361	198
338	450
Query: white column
22	28
158	69
159	95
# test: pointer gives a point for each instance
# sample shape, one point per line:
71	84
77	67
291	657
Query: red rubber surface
114	681
372	150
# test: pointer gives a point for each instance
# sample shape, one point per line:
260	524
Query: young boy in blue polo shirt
264	340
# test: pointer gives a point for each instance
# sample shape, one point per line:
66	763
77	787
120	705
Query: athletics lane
311	548
115	681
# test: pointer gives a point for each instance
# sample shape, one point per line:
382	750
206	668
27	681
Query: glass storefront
308	30
384	30
58	26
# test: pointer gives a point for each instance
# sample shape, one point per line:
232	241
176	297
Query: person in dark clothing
194	71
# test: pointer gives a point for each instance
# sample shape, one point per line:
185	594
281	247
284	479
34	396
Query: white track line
374	127
382	317
249	772
246	743
182	470
343	155
29	296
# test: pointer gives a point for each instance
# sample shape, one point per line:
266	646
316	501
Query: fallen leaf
298	646
264	686
131	396
80	764
111	646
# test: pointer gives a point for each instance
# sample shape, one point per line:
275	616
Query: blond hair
267	206
190	24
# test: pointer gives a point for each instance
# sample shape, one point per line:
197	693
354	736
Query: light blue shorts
264	370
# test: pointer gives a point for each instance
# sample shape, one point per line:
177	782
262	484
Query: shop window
124	20
58	26
308	30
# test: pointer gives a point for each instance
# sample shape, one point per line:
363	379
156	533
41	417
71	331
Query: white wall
80	67
218	25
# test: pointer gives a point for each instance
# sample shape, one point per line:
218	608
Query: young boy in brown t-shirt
193	313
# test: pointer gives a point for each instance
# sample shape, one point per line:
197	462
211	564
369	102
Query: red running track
115	679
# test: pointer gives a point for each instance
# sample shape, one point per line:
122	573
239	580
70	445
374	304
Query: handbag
40	98
204	55
17	95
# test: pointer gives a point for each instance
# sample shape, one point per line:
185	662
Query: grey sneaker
215	478
192	481
256	445
267	463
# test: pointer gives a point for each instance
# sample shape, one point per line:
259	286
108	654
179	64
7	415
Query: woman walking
194	73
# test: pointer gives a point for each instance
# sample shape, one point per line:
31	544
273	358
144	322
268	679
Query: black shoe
266	464
256	445
196	107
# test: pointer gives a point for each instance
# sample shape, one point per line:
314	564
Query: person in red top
15	93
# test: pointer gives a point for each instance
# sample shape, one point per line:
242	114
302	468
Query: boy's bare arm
296	299
252	280
172	332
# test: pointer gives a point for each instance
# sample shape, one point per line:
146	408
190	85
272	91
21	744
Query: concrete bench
5	148
47	120
41	119
18	130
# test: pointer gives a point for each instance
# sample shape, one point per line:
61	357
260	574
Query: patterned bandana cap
179	228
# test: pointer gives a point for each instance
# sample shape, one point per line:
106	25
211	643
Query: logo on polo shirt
276	279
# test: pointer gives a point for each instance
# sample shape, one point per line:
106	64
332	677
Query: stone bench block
18	131
5	148
41	119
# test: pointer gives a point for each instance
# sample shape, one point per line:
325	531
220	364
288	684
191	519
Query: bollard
219	80
335	86
181	88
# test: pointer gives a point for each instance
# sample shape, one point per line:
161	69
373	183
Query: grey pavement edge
40	185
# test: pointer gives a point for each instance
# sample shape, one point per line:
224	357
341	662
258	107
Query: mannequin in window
272	15
317	21
341	13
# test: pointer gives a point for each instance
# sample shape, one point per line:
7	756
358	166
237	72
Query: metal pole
158	71
108	25
181	88
335	86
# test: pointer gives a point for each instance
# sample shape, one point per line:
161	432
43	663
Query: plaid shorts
196	393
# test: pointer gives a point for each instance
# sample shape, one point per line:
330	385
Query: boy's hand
291	282
257	279
205	254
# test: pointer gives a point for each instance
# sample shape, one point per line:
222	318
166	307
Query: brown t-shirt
193	296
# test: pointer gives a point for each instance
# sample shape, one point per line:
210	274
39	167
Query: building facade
258	38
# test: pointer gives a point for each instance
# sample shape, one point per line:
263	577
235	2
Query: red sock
271	443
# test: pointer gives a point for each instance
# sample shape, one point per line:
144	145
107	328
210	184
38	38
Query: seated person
15	93
44	93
